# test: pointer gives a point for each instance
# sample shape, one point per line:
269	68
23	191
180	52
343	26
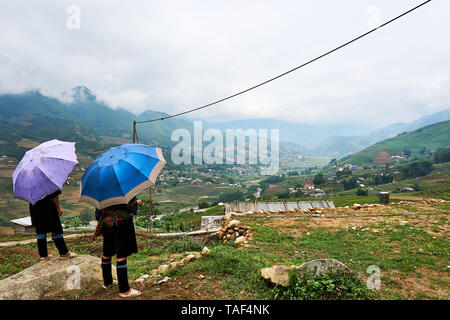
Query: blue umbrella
119	174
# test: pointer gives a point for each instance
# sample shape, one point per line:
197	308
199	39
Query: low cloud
171	56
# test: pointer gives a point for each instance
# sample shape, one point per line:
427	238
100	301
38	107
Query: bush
362	192
230	196
416	169
331	286
283	195
442	155
74	222
350	183
319	179
203	205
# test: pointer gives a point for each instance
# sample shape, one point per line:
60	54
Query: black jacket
132	206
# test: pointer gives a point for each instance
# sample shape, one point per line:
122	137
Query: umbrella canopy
43	170
119	174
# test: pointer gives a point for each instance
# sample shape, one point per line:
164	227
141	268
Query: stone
201	277
163	268
356	206
139	280
279	275
240	240
175	265
276	275
164	280
321	266
233	223
55	276
198	255
188	258
205	251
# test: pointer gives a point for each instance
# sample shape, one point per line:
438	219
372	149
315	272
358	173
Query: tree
362	192
343	173
230	196
142	214
86	216
349	183
203	204
442	155
319	179
417	169
283	195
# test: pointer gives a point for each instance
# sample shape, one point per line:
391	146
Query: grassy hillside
420	143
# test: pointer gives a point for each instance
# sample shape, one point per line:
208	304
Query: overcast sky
175	55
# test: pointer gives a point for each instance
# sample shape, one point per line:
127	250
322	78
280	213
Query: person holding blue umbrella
111	184
38	179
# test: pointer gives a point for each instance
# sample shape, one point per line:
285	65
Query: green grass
333	286
15	263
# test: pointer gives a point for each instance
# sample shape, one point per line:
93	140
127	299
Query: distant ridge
415	144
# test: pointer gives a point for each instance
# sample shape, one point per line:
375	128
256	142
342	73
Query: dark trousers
59	243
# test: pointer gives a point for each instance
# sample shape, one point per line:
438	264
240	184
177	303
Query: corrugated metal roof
276	206
25	221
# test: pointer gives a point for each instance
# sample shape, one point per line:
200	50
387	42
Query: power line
289	71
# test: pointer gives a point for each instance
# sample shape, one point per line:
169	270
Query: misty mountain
339	146
92	123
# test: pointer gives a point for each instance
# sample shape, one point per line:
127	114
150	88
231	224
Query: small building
22	225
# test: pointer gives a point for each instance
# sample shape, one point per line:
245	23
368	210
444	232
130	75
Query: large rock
280	274
52	277
321	266
277	275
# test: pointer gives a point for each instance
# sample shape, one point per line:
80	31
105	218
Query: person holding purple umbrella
45	215
38	179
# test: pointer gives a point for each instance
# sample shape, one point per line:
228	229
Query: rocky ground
408	240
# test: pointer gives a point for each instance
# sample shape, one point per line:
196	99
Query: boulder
276	275
279	275
321	266
55	276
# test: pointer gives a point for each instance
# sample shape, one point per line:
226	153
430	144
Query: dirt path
22	242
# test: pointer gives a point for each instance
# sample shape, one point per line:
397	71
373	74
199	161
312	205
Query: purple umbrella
43	170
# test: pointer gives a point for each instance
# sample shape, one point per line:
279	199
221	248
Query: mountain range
82	118
418	144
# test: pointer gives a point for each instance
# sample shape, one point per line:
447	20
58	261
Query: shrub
332	286
349	183
417	169
319	179
442	155
362	192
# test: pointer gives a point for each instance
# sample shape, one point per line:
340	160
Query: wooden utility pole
149	221
134	131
